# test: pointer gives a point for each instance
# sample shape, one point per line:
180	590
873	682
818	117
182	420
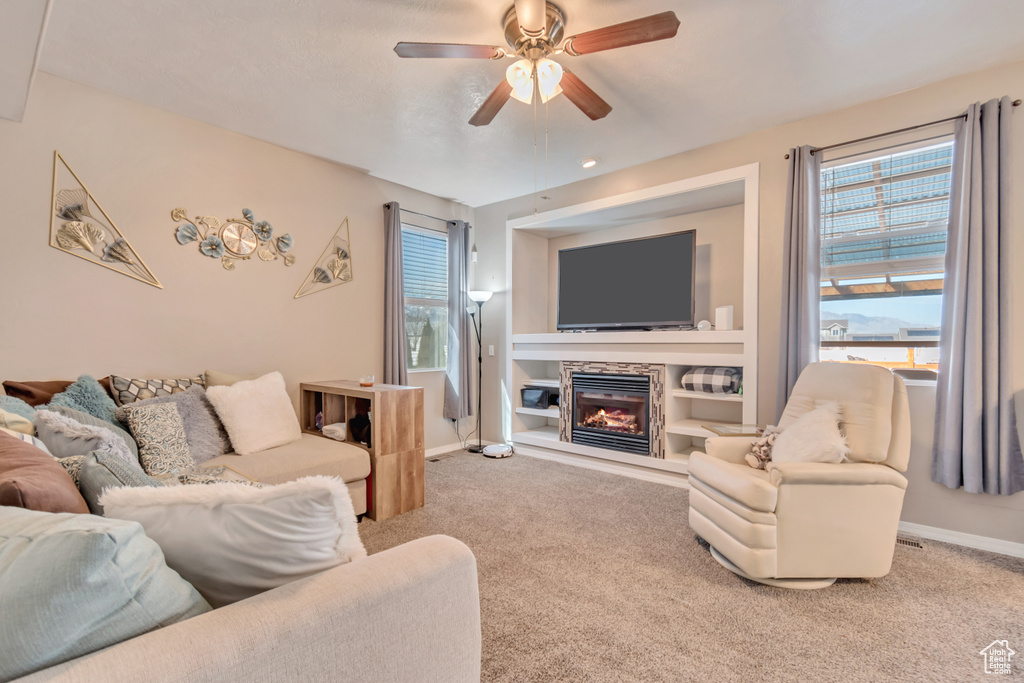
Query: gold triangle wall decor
80	227
333	268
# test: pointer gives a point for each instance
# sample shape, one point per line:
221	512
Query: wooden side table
396	482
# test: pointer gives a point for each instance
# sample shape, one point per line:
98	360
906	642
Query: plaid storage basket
713	380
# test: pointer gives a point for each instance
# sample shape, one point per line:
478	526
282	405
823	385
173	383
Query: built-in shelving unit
536	349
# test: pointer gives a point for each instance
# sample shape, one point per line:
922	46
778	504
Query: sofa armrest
411	613
729	448
835	474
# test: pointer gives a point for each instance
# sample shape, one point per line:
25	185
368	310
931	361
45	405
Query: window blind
425	265
886	217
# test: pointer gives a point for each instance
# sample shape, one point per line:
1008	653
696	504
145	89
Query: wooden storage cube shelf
396	482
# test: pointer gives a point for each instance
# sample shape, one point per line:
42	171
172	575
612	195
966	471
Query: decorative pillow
257	413
761	450
100	471
204	432
128	391
15	405
28	438
65	437
16	423
87	395
813	437
160	433
713	380
73	466
31	478
89	420
233	541
40	393
74	584
224	379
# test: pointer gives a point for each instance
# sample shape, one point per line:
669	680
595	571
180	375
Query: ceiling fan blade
492	105
583	97
532	17
646	30
449	51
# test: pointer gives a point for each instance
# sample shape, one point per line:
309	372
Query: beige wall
927	503
63	316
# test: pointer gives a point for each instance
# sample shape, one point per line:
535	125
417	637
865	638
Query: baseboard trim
993	545
679	481
441	450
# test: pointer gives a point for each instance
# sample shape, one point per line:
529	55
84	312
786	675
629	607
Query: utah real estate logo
997	657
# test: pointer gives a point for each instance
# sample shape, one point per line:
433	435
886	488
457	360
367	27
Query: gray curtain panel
801	271
395	369
977	444
459	372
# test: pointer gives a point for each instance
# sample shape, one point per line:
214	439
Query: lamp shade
480	296
520	77
549	75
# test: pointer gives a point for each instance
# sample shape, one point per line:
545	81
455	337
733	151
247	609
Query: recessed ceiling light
590	162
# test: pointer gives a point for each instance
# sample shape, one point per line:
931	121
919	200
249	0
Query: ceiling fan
534	30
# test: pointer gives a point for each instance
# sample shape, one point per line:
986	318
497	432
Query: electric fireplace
612	411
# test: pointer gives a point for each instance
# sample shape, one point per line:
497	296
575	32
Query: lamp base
475	449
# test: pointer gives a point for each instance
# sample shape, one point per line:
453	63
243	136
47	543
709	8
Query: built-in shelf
639	356
705	396
550	413
548	383
693	427
547	437
640	337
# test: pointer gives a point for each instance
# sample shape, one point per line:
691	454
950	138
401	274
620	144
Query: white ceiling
320	77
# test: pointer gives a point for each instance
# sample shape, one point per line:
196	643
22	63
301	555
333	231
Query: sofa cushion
74	584
224	379
160	433
233	541
308	456
257	413
31	478
126	390
86	394
742	483
16	423
203	431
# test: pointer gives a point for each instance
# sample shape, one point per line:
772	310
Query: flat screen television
633	284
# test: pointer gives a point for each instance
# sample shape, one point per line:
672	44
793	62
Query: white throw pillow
256	413
813	437
233	541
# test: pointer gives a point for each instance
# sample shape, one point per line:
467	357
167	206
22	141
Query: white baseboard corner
669	479
448	448
992	545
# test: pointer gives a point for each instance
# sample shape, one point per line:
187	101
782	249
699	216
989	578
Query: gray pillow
74	584
203	431
93	421
100	471
65	437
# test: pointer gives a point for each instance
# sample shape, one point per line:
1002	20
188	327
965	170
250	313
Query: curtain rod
417	213
1016	103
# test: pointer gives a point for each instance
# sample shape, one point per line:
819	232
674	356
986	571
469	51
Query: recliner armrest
838	474
729	448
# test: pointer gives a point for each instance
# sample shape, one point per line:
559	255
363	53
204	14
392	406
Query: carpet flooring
588	576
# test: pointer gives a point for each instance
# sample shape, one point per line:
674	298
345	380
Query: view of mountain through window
425	269
884	222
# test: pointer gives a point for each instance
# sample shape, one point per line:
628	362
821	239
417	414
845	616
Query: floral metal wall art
80	227
333	268
236	239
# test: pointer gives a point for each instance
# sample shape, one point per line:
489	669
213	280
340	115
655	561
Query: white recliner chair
804	524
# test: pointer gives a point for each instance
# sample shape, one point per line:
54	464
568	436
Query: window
425	269
884	221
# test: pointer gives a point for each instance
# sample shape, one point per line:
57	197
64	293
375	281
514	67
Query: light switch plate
490	350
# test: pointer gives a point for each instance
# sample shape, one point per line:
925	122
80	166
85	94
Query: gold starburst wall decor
333	268
236	239
79	226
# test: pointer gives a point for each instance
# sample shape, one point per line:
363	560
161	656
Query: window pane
425	265
883	242
426	336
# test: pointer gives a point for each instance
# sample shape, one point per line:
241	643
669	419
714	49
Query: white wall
927	503
63	316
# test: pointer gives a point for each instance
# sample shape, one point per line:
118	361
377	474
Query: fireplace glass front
612	411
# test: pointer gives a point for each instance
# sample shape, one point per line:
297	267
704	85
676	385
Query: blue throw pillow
87	395
17	406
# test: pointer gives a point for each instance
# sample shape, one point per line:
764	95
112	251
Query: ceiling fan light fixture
549	75
520	77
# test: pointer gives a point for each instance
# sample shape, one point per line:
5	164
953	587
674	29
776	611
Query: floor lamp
480	297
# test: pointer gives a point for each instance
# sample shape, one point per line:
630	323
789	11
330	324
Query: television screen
638	283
